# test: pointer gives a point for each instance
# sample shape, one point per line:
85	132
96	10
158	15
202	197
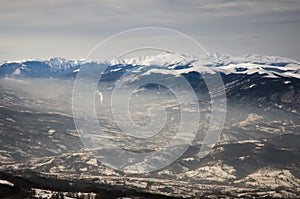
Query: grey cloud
227	21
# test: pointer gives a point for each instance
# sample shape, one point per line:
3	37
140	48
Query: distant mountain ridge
165	63
257	155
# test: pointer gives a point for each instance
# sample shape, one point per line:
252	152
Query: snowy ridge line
167	58
175	64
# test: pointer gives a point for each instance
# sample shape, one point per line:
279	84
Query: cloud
41	24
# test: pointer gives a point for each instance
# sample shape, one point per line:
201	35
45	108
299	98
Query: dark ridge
28	179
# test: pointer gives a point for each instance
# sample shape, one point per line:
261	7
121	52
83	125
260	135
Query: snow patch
93	162
5	182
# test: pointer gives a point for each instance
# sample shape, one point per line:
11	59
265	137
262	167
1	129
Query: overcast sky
70	29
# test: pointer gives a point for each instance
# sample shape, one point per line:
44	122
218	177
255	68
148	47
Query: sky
70	29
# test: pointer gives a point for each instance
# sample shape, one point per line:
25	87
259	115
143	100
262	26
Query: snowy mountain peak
59	63
57	60
171	63
163	59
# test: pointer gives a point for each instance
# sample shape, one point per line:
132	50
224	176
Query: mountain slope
165	63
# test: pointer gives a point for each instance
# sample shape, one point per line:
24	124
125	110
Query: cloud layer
70	29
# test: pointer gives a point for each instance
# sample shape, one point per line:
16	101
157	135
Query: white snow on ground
246	68
5	182
93	162
43	163
11	120
169	72
251	118
271	178
162	59
291	74
45	194
17	72
269	66
51	131
217	172
115	70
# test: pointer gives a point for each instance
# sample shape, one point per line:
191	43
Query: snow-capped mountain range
257	155
164	63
